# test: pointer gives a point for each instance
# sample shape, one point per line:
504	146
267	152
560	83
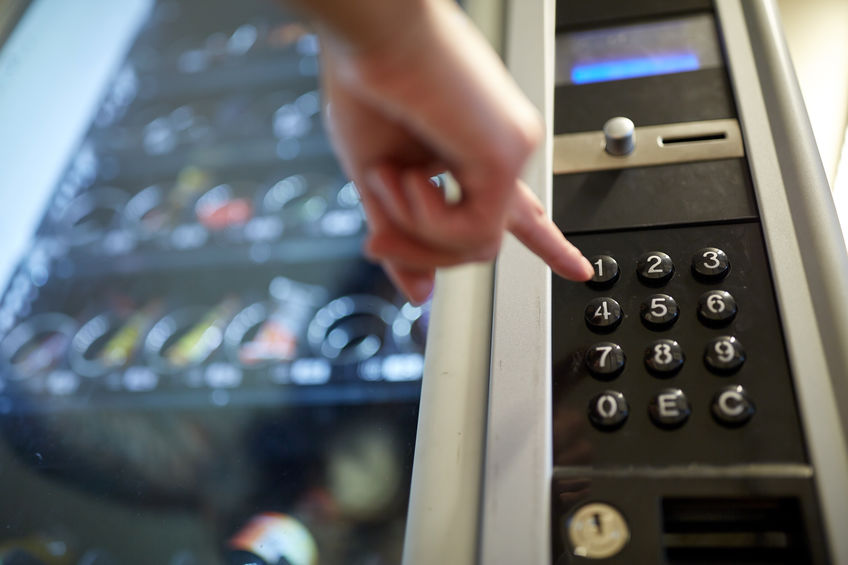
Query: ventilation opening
692	138
764	531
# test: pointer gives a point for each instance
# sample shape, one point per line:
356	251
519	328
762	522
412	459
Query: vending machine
688	404
198	366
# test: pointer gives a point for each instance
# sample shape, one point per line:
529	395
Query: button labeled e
669	408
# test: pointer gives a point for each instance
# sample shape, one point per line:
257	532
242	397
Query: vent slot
692	138
728	531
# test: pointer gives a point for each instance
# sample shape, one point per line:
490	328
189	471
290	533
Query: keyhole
596	518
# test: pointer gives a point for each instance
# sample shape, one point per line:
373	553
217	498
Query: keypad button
732	406
606	271
710	264
659	312
664	357
655	268
608	410
669	408
605	360
603	314
716	308
724	354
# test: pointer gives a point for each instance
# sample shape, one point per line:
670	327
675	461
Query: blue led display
619	69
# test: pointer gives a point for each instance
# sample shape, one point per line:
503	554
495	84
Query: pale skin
412	89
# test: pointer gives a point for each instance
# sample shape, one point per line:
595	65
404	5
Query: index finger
529	222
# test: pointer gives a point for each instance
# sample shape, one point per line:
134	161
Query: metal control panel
691	389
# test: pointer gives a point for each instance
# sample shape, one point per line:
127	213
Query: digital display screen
640	50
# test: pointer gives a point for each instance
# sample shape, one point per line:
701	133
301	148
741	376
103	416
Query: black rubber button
724	354
710	264
606	271
605	359
603	314
664	357
655	268
608	410
732	406
659	311
669	408
716	308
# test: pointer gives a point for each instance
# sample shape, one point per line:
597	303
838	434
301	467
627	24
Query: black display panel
200	368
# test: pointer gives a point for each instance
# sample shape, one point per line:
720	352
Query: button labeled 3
710	264
597	531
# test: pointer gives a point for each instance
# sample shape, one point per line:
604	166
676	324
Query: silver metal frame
516	489
808	266
443	520
804	242
584	151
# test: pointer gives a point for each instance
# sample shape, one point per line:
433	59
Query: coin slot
663	141
733	530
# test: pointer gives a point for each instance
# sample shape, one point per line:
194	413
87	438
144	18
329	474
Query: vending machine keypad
681	340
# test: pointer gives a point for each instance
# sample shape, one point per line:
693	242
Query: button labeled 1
606	271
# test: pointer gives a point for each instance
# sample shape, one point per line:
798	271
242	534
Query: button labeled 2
654	268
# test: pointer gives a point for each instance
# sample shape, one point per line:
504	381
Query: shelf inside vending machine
192	348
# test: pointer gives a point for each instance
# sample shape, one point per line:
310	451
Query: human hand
408	101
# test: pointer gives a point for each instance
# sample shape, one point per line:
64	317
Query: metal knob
619	134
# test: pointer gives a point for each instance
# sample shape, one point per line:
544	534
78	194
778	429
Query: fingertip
421	290
587	270
417	286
